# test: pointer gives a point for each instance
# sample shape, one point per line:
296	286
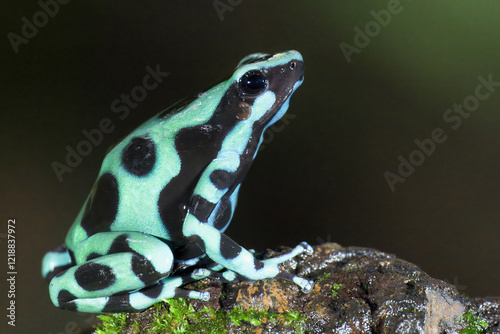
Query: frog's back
146	180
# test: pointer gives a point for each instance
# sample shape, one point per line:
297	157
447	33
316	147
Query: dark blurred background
320	176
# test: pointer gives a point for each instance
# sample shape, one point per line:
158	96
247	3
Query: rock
357	290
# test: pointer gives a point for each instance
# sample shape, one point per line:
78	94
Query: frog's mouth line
282	102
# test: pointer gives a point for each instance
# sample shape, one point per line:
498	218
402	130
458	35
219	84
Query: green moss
177	316
136	326
112	323
336	288
475	325
323	277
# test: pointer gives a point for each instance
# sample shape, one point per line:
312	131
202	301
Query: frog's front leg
116	272
214	183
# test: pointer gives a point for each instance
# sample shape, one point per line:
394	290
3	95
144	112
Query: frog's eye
253	83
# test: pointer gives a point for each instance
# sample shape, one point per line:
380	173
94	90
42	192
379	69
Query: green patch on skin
336	288
177	316
475	325
112	323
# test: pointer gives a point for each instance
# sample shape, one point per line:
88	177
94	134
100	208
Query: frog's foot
56	261
168	287
241	263
304	284
303	247
229	276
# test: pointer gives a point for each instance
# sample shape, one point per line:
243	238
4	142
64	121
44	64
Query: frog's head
262	85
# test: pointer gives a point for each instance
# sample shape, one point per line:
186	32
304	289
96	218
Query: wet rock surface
357	290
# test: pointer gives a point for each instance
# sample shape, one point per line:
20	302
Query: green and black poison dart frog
155	218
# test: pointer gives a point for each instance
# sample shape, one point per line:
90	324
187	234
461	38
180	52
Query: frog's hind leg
165	288
108	264
56	261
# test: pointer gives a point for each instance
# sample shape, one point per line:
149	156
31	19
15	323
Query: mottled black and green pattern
155	218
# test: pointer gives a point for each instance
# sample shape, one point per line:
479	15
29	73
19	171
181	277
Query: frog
156	216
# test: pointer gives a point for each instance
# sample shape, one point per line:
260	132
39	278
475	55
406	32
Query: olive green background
319	178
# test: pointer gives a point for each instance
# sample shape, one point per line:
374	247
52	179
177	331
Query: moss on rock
357	290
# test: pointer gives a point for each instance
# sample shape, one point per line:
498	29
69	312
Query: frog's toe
200	273
199	295
307	248
304	284
308	287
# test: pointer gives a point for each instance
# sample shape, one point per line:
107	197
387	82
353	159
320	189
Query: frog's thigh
110	263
